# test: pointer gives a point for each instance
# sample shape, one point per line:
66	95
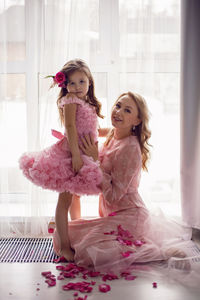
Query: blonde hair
141	130
69	68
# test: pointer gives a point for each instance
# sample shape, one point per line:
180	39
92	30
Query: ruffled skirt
51	169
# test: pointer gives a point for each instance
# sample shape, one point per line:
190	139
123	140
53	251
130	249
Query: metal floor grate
30	250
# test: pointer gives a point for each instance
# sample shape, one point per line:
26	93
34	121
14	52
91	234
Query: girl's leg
61	219
75	208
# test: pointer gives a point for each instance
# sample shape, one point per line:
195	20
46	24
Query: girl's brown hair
141	130
70	67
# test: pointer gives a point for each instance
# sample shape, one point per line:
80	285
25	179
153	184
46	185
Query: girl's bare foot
175	252
68	253
181	262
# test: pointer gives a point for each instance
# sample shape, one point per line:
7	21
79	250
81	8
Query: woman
125	233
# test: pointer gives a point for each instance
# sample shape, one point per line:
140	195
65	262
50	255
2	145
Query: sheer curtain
190	113
150	62
129	45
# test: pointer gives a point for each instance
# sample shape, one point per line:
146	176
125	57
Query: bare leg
61	219
75	208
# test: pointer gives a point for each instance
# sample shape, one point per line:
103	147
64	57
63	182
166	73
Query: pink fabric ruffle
52	169
65	100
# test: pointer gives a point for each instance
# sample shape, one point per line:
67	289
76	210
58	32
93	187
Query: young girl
63	167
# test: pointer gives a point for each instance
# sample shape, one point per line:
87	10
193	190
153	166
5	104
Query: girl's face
78	84
124	114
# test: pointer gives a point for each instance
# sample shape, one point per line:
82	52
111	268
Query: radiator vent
30	250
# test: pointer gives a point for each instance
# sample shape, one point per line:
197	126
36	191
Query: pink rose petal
46	273
130	277
59	259
50	282
104	288
154	284
112	214
138	243
109	276
124	274
126	254
60	277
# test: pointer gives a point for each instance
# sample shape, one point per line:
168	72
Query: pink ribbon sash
57	134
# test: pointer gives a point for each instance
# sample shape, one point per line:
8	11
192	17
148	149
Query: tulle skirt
115	243
51	169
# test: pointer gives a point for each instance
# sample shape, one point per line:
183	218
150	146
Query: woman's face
124	114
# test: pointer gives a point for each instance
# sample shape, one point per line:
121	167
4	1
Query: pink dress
51	168
126	233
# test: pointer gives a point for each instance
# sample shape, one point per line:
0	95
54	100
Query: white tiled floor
19	281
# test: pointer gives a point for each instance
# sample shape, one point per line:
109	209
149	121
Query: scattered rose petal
59	259
75	294
50	282
124	274
109	276
154	284
83	287
123	233
130	277
45	274
37	289
69	275
127	253
111	232
60	277
93	274
138	243
61	268
112	214
104	288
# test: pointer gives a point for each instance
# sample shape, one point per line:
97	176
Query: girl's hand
77	163
70	95
89	147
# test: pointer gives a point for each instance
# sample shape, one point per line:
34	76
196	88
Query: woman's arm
71	131
125	166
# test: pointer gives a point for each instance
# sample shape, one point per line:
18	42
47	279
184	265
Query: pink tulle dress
125	233
51	168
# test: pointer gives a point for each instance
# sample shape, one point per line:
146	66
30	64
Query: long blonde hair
69	68
141	130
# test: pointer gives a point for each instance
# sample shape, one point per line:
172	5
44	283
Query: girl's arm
103	132
70	127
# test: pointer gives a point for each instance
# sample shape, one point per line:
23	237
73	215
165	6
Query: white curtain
190	113
129	45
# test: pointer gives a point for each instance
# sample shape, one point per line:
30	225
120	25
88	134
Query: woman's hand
89	147
77	163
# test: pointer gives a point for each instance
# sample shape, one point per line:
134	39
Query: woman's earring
133	128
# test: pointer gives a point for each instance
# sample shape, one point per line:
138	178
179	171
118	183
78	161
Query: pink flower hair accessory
59	79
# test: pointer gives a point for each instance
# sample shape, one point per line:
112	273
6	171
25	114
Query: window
129	45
